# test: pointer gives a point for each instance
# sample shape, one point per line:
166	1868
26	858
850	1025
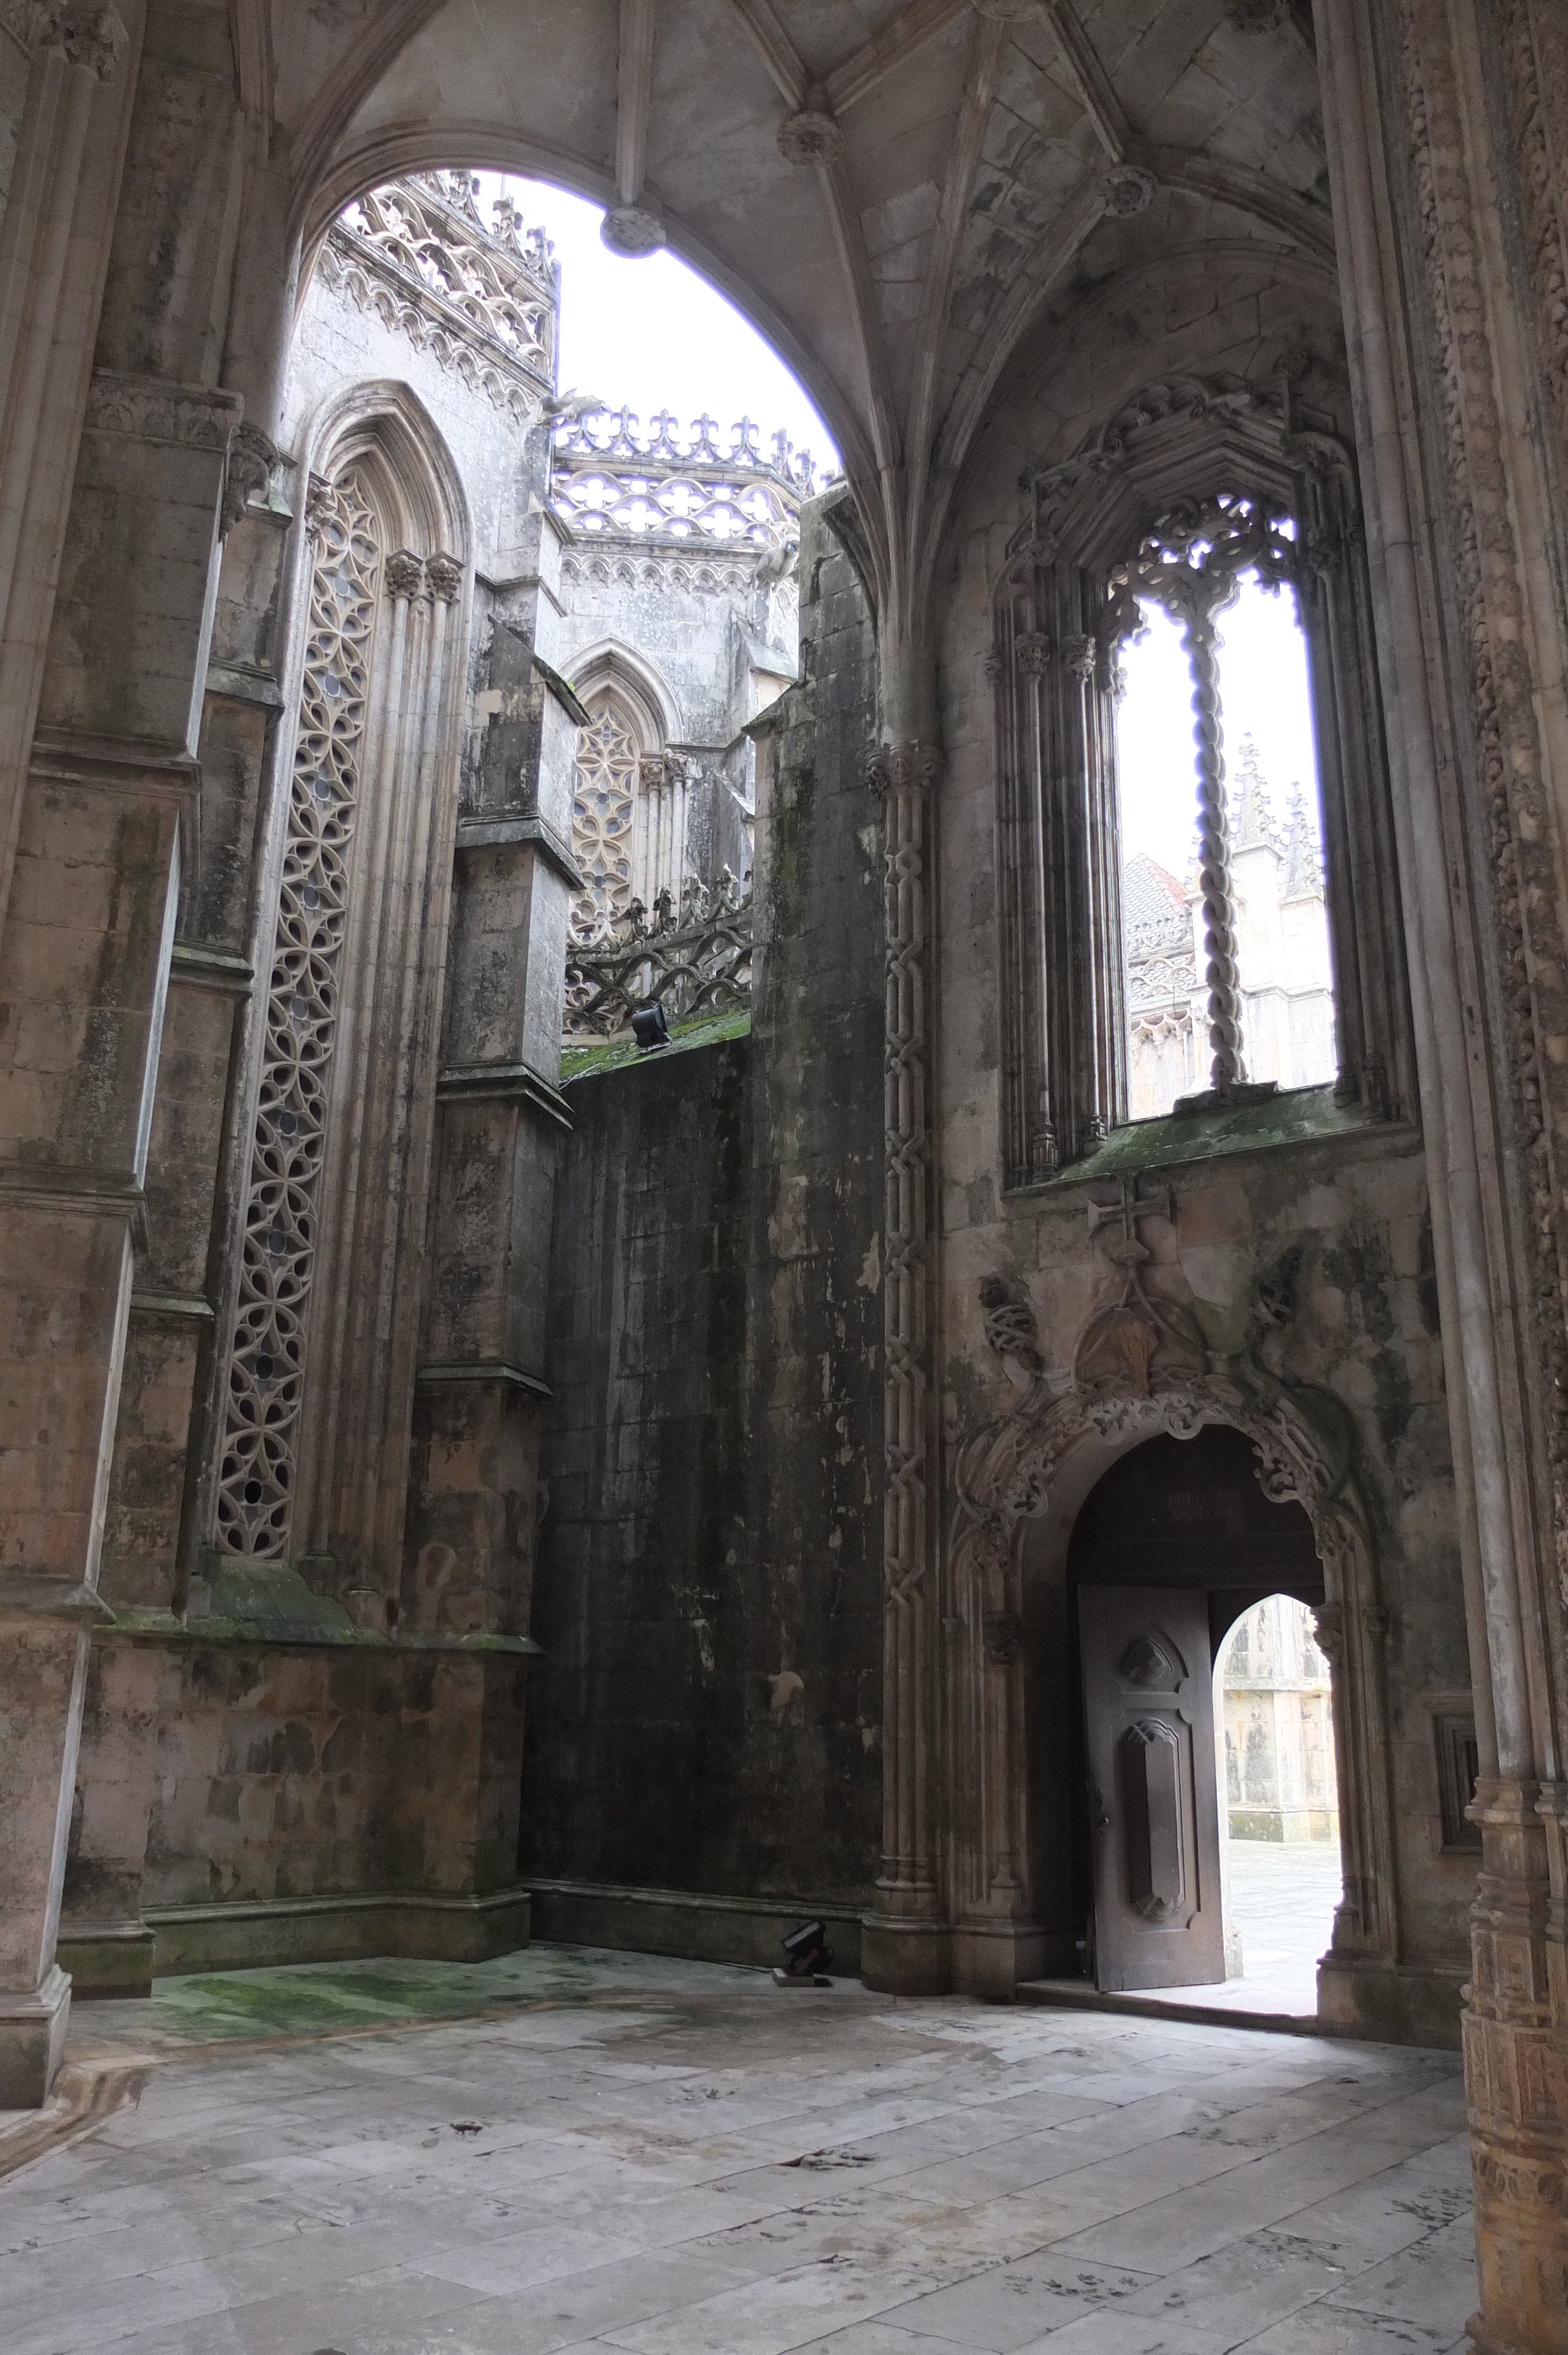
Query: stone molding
1516	2012
152	408
1526	851
906	776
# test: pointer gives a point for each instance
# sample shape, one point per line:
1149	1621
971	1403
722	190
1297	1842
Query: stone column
473	1502
1466	544
55	239
905	1942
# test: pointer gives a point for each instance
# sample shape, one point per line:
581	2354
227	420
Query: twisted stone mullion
1199	637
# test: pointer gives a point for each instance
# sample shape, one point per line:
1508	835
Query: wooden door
1153	1806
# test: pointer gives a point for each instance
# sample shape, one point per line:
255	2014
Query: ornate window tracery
1193	488
609	760
256	1476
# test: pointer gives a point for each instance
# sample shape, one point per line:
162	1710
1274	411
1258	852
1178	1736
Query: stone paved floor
679	2159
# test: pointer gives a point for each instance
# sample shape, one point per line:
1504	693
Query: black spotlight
810	1956
649	1025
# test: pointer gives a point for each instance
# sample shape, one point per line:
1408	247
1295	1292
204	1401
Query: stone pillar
1455	335
904	1944
111	506
55	239
473	1502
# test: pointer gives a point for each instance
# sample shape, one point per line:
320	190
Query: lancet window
344	1072
267	1360
604	817
1196	495
1227	968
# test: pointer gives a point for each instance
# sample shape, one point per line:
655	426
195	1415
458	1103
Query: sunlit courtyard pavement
572	2150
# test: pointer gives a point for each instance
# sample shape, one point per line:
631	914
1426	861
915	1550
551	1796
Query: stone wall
1340	1200
706	1714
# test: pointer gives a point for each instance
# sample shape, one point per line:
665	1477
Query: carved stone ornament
482	302
1132	1340
249	473
443	577
1010	1329
266	1361
631	229
1001	1633
97	40
810	136
150	409
1128	188
403	574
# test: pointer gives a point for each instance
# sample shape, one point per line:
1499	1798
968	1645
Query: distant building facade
1278	1727
1287	977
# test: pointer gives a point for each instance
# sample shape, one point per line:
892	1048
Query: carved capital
443	577
403	573
97	41
1032	652
903	768
1080	657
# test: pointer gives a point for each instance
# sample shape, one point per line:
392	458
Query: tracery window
1224	911
1124	990
256	1477
604	812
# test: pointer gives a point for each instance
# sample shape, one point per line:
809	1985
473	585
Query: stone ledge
253	1934
694	1925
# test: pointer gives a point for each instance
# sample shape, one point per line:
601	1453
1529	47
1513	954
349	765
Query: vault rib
776	50
885	50
1091	83
633	98
969	143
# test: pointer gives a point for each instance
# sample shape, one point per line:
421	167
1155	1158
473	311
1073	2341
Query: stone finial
1252	821
1303	862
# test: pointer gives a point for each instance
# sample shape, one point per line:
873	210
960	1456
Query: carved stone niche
1065	1082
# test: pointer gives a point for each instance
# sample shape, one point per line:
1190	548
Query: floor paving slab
680	2161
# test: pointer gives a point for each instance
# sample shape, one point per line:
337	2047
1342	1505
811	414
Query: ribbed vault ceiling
894	189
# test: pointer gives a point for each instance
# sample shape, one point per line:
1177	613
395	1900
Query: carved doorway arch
1023	1477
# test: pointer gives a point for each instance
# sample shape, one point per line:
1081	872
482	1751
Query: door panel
1154	1812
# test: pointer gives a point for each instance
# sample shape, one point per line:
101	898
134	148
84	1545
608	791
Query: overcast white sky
1263	693
652	334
